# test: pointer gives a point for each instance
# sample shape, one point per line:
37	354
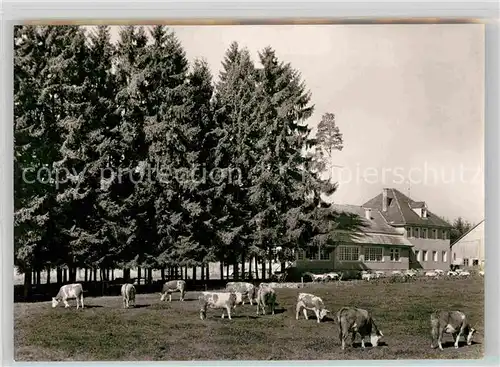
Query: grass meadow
156	331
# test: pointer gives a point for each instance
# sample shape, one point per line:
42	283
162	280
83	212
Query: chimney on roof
368	213
384	200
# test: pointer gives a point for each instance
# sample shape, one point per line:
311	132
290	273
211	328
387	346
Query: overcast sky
409	99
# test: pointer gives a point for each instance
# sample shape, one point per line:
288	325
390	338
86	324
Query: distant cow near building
69	291
173	286
356	320
246	289
307	301
266	296
218	300
128	294
450	322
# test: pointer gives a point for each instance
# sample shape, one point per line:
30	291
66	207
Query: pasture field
174	331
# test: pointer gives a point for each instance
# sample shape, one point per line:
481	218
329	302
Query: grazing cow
69	291
218	300
431	274
333	276
128	294
307	301
316	277
463	274
367	276
396	272
452	273
450	322
246	289
379	274
410	273
173	286
356	320
266	296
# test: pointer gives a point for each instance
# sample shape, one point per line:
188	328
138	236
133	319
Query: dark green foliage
168	169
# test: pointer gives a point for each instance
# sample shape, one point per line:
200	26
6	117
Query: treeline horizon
84	105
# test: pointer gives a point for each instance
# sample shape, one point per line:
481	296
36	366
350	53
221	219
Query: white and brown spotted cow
307	301
69	291
248	290
218	300
266	296
173	286
356	320
128	294
450	322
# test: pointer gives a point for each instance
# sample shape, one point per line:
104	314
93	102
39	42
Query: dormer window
424	213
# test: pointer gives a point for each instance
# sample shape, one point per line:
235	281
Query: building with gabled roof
429	234
468	250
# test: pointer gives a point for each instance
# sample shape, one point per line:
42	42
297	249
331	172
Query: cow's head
239	298
163	296
471	333
323	313
375	337
55	302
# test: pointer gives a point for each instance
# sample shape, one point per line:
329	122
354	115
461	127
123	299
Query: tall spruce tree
169	138
235	109
128	207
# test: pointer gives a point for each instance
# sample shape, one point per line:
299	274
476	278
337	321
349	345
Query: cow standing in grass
450	322
128	294
69	291
307	301
265	296
218	300
356	320
173	286
246	289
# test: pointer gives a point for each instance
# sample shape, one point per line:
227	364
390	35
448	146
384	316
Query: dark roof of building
373	231
466	233
399	210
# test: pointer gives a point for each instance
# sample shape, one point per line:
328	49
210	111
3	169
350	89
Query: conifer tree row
129	155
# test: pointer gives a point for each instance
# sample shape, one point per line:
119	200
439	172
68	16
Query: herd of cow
351	321
411	273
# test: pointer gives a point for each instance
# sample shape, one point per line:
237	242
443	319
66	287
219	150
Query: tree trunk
38	277
227	270
86	276
150	276
59	275
194	272
65	275
236	271
270	265
27	283
95	274
202	272
48	274
256	267
162	271
208	272
263	268
250	267
126	275
186	272
139	275
221	266
243	275
112	274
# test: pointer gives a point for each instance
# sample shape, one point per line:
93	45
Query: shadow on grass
140	306
369	345
93	306
451	344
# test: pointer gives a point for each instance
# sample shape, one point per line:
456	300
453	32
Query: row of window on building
435	234
349	253
423	255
